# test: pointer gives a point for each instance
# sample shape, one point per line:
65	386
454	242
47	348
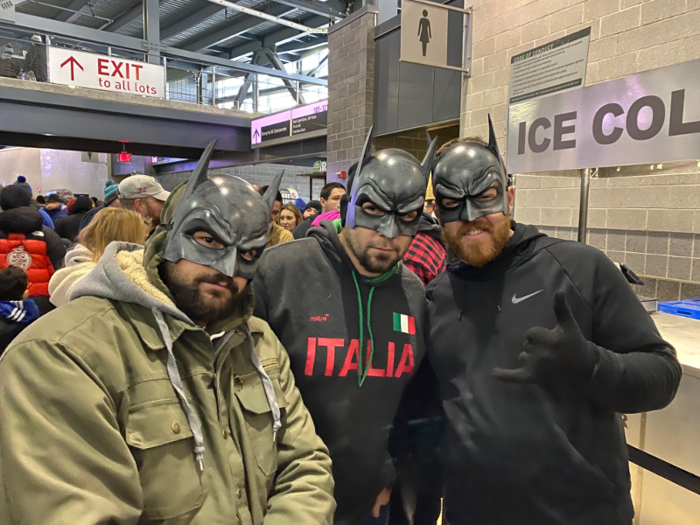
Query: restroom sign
432	34
646	118
90	70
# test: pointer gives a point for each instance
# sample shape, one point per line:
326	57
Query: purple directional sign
289	123
270	127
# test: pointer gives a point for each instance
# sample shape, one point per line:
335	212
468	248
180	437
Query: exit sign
124	157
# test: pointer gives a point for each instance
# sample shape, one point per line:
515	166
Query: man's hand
382	500
556	358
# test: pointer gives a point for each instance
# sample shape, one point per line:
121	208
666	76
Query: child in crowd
16	310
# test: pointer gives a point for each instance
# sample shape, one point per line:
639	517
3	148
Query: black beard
378	264
196	305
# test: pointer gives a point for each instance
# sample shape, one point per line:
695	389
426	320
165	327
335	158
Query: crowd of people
398	349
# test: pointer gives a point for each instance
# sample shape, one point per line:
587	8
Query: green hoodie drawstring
362	375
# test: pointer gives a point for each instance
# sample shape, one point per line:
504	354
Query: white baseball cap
140	186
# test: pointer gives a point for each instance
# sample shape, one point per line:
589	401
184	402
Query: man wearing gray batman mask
538	344
350	316
154	396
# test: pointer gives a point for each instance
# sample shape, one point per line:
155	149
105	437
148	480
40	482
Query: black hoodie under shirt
305	291
514	453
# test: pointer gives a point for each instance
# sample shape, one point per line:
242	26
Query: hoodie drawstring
176	381
362	375
267	386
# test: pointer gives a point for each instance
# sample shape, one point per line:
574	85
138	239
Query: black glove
557	359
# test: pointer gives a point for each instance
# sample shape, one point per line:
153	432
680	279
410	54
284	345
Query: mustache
217	279
476	224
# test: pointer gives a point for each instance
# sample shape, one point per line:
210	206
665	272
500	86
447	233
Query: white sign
557	66
645	118
423	33
7	10
75	68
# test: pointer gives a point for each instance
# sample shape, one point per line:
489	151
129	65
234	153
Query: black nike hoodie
514	453
306	291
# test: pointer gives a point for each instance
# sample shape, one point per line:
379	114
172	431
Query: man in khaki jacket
154	396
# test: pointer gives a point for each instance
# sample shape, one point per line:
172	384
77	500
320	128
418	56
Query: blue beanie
110	190
21	179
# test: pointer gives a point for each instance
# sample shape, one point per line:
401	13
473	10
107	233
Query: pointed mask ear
272	190
366	152
493	143
430	156
199	175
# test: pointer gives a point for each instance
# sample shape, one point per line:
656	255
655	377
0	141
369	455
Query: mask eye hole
248	255
487	195
205	239
450	203
408	217
371	209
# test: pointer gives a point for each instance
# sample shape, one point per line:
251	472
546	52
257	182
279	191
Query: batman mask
394	182
465	171
231	212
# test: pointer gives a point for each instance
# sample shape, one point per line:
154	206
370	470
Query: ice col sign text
75	68
645	118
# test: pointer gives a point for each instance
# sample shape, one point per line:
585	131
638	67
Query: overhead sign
294	122
311	117
90	70
7	10
320	166
425	33
556	66
645	118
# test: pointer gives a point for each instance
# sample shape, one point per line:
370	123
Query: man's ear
511	198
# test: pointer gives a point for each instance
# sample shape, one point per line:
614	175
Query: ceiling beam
68	16
276	62
127	17
234	30
331	9
278	36
190	21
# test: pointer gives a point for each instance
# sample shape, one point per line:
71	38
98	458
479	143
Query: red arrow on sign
73	62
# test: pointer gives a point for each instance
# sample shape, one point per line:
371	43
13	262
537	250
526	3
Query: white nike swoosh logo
517	299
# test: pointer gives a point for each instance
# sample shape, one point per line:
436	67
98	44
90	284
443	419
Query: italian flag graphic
404	323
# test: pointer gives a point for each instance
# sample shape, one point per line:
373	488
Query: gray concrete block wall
351	54
649	222
260	174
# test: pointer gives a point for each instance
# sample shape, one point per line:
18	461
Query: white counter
672	434
684	335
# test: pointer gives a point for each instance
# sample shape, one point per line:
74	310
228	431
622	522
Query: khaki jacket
278	235
92	431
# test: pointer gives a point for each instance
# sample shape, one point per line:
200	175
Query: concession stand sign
644	118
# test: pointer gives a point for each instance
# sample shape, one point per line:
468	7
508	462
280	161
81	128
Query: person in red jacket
26	243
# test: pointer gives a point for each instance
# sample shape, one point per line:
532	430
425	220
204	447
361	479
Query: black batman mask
465	171
394	183
230	211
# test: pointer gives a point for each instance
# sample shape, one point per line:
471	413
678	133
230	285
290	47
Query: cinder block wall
414	141
351	88
260	174
650	221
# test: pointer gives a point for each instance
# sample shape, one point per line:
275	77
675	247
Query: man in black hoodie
538	345
69	227
357	339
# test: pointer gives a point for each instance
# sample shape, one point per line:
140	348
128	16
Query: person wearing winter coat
8	64
25	242
17	310
68	227
35	61
109	225
155	396
55	208
539	345
351	317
